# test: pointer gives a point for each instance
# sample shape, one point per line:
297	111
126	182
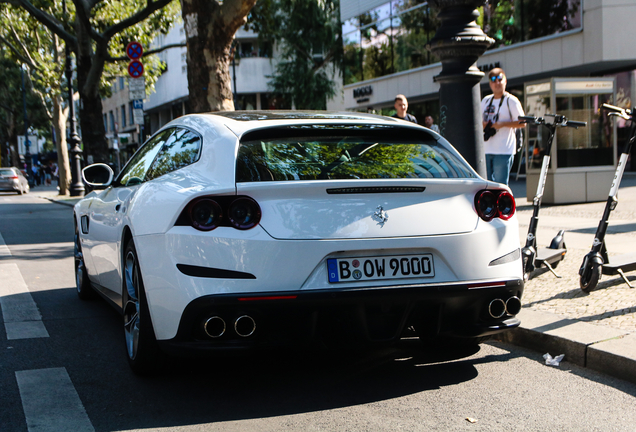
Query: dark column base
460	116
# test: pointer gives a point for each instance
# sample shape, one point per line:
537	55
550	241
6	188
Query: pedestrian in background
500	112
430	123
401	106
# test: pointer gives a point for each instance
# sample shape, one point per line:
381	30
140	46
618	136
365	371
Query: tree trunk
59	123
90	66
210	27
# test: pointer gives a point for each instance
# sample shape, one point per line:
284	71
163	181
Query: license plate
379	268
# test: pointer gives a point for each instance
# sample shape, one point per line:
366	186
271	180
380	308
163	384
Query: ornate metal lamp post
459	42
77	187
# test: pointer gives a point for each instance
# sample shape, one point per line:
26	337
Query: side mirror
98	176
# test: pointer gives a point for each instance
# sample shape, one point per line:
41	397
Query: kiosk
582	160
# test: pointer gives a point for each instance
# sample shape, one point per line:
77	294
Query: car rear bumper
343	318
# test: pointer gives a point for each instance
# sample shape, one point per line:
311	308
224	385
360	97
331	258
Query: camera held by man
489	131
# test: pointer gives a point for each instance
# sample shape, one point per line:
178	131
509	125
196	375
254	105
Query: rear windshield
350	157
6	172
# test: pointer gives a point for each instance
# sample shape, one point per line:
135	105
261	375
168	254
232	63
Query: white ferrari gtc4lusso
242	230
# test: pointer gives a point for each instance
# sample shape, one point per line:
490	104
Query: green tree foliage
512	21
97	31
308	36
11	108
29	43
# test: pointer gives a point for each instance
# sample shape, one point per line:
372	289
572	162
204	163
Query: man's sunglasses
497	78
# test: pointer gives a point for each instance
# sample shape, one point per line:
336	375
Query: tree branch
151	6
17	53
48	20
148	53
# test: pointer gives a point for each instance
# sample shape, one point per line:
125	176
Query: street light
77	187
459	42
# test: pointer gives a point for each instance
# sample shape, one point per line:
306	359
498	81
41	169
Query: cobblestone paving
612	304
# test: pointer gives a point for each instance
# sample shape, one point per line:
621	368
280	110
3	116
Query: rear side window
181	149
361	156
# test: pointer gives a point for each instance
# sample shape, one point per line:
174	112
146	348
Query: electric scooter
597	262
548	257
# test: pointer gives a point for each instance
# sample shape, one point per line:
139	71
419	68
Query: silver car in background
12	180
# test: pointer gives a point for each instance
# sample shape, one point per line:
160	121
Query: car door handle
117	207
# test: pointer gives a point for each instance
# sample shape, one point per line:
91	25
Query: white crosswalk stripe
50	401
22	318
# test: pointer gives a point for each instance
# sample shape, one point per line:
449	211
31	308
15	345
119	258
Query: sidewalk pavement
596	330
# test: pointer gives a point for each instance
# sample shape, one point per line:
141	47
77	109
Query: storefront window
513	21
585	146
393	37
625	89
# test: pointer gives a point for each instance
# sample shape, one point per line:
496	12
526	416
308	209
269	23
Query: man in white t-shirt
500	112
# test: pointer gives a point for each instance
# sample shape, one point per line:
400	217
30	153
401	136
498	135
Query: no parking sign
134	51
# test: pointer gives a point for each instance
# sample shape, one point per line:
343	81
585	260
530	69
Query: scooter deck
625	263
550	256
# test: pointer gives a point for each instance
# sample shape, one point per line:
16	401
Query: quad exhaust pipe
215	326
498	308
245	326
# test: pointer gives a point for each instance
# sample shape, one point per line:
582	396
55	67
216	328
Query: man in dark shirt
401	105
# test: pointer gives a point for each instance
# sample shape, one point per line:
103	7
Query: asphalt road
74	375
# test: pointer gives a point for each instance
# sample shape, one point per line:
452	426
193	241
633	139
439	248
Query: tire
82	283
143	353
590	277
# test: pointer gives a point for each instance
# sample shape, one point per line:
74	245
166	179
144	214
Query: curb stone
604	349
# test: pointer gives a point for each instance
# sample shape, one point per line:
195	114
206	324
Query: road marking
50	401
22	319
4	249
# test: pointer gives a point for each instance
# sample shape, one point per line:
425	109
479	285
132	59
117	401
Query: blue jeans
498	167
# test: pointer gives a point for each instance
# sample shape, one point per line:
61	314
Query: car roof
240	122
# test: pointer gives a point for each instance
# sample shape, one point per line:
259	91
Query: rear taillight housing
491	204
244	213
207	213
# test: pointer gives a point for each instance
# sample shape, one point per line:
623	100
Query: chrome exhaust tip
214	327
513	305
497	308
245	326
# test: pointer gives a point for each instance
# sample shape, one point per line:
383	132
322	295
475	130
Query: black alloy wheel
144	355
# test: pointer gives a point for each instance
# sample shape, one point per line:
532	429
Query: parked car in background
13	180
238	230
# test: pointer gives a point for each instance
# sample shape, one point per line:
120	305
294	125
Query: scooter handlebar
621	112
575	124
527	119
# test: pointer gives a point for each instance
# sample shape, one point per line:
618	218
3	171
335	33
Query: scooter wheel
590	277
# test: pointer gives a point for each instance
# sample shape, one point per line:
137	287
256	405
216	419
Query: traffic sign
134	50
138	104
135	69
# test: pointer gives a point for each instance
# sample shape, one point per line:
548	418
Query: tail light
492	204
205	214
208	213
244	213
15	177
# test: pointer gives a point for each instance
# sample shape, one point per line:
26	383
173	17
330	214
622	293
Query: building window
123	115
112	121
121	83
131	113
105	122
393	37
